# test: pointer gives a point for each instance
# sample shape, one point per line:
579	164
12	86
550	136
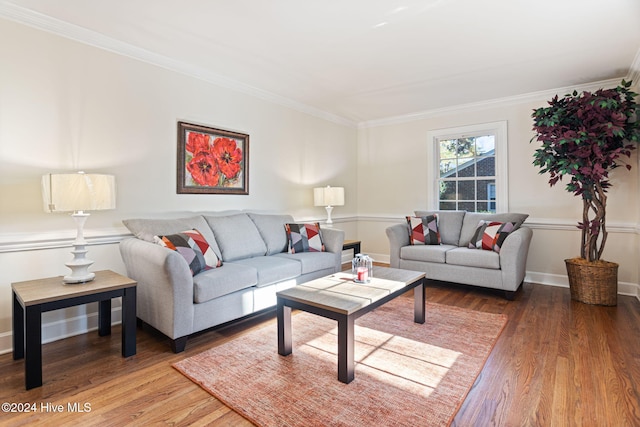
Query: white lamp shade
70	192
328	196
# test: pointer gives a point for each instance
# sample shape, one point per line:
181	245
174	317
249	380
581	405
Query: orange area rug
407	374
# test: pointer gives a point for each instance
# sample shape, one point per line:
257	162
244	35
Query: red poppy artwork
212	161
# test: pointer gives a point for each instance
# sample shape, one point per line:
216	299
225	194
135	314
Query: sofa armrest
333	240
398	237
165	286
513	257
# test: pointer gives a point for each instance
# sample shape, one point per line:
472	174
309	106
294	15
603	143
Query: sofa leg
179	344
511	295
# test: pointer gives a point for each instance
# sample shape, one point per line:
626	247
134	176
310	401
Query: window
469	170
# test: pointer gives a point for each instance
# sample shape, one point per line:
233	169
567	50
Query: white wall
392	182
67	106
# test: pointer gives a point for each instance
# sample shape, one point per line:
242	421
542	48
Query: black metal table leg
419	300
104	317
129	322
346	363
284	329
33	347
18	329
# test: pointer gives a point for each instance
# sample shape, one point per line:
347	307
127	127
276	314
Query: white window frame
499	130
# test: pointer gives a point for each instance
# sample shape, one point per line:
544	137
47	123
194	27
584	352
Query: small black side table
34	297
352	244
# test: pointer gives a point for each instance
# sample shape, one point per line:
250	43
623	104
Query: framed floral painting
212	161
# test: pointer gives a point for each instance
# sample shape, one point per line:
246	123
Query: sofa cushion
272	269
237	236
471	220
271	228
194	249
312	261
449	225
473	258
304	238
221	281
426	253
423	230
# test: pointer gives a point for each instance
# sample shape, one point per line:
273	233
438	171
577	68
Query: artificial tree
585	136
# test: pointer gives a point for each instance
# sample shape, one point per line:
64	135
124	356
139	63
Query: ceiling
362	60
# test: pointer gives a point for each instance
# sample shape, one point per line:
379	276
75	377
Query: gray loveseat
255	265
454	261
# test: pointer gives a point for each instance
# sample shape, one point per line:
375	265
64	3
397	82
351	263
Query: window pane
486	207
448	149
485	144
447	190
467	170
467	206
486	189
465	148
447	168
486	166
466	190
448	206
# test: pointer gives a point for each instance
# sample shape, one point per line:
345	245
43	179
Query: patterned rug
407	374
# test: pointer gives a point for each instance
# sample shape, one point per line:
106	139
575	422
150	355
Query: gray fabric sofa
454	261
255	265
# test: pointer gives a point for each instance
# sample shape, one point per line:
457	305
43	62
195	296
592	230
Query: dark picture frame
212	161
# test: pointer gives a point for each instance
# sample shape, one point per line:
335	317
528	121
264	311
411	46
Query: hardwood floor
557	363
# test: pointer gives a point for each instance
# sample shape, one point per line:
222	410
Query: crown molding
79	34
491	103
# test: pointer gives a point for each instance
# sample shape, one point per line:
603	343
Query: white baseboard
560	280
624	288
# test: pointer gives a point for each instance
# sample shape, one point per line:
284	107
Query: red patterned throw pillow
423	230
490	235
194	249
304	238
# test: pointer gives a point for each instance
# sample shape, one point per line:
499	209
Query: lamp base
79	267
329	220
80	264
73	278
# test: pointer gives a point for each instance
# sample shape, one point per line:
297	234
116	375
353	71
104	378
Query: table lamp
328	197
77	193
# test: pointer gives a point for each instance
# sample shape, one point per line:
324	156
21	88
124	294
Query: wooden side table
34	297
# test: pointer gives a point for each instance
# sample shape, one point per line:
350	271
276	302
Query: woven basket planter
593	282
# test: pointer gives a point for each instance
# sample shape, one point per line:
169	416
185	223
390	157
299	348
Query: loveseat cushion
312	261
272	269
271	228
425	253
473	258
237	236
221	281
472	219
449	225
